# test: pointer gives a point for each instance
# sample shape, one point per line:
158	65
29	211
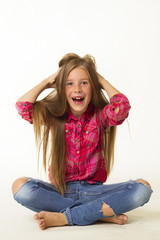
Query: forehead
78	73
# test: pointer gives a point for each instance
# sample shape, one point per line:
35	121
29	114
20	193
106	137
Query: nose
77	88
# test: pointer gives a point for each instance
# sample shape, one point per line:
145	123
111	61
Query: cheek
67	93
89	92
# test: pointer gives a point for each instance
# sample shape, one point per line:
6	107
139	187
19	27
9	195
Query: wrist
46	83
102	82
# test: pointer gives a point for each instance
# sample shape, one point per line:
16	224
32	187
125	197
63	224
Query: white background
122	35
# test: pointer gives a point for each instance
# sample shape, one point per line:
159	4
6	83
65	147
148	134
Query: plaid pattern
84	138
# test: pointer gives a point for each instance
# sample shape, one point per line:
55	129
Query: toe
42	227
36	216
122	219
41	222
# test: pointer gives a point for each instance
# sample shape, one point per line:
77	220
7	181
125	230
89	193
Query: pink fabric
84	138
25	110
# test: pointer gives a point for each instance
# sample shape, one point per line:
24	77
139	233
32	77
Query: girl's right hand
51	80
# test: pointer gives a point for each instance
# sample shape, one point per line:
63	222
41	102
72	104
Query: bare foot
119	219
50	219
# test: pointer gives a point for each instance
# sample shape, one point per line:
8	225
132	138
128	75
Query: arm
117	111
109	117
24	105
111	91
33	94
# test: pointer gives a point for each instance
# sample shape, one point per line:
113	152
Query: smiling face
78	91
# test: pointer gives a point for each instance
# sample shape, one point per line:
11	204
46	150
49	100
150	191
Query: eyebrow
80	79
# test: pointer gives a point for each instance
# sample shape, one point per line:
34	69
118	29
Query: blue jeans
82	202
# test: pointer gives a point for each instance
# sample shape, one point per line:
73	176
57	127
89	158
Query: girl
80	123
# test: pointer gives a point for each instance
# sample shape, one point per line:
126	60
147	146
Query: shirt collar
86	115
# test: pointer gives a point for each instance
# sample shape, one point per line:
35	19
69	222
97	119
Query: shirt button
77	140
25	110
87	132
77	151
79	126
66	130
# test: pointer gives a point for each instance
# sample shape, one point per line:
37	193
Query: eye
84	82
69	83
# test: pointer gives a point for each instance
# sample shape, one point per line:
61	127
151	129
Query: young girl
80	123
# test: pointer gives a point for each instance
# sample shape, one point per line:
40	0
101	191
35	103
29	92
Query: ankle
63	219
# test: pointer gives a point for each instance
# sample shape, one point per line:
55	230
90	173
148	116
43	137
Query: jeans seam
100	193
68	217
105	191
77	192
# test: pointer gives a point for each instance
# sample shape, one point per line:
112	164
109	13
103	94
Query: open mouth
78	100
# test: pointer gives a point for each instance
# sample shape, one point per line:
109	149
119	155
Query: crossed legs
48	219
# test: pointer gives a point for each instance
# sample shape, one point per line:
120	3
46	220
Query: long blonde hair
49	116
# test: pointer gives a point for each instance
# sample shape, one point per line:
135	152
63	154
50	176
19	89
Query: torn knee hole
107	210
18	183
143	182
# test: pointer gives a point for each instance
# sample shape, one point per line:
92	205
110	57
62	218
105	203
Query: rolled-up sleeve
25	110
108	115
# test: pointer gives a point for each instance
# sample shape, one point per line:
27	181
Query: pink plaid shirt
84	138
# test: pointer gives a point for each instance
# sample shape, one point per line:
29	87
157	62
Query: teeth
77	98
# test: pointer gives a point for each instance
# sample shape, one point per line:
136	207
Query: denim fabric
82	201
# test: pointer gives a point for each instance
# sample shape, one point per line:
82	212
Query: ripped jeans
82	201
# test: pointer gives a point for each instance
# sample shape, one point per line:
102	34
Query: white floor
16	222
